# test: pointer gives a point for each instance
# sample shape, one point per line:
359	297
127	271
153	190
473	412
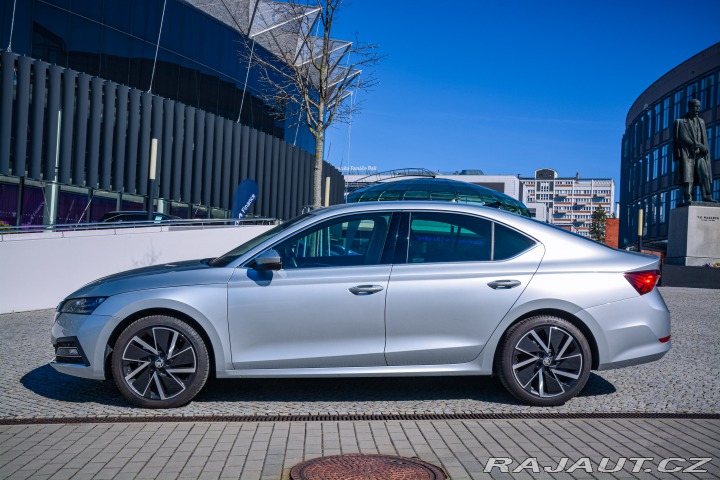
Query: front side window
340	242
244	248
437	238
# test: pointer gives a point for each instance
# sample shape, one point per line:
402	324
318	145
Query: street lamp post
153	166
640	229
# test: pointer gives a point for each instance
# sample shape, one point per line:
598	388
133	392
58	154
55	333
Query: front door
325	308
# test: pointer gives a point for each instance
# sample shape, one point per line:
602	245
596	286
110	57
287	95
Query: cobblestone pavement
468	449
686	380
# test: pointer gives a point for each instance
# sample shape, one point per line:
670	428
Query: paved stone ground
464	449
686	380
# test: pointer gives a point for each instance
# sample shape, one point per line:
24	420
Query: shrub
5	228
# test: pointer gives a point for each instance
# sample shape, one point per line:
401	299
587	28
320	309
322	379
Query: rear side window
436	238
509	243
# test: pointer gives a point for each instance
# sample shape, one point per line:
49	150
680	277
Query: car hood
191	272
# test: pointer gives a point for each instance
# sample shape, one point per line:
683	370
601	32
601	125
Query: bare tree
316	75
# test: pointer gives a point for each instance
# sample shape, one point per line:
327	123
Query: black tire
544	361
160	362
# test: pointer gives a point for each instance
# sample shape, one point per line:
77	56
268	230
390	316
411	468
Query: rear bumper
633	361
628	332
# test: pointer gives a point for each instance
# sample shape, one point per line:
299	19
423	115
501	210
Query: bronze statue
690	148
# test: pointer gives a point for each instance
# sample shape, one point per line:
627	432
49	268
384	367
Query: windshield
238	251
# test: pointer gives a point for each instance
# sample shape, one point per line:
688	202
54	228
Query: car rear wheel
160	362
544	361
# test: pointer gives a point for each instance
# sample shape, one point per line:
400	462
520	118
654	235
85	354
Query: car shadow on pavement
597	386
46	382
388	389
382	390
390	393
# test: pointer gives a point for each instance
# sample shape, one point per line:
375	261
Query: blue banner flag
245	195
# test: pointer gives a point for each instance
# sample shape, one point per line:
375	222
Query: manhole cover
365	467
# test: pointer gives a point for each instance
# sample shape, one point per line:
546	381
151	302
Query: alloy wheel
547	361
159	363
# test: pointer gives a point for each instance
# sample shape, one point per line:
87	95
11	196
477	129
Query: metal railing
194	223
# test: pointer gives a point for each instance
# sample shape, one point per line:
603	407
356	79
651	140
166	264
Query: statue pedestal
694	234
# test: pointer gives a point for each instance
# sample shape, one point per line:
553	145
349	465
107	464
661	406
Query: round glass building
440	189
646	178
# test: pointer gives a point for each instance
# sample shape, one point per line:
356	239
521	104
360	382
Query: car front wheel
544	361
160	362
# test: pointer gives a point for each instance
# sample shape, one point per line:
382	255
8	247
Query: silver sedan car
373	289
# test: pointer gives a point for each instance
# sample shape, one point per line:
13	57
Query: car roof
403	205
530	226
560	245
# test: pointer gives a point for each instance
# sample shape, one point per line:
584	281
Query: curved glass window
438	189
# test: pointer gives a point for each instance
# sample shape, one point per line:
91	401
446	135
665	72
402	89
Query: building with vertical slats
85	86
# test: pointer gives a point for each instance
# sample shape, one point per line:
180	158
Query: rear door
461	276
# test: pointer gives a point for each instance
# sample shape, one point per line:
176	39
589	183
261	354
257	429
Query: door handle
365	289
503	284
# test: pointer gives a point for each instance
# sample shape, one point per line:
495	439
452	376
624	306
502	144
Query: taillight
643	282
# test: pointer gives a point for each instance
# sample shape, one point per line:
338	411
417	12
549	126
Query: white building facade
568	202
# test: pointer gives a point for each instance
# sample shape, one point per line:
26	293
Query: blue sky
509	87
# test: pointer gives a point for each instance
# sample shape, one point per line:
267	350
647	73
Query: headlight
83	306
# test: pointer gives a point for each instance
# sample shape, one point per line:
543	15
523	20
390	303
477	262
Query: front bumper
86	333
82	371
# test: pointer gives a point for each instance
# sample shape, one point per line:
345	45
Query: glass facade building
646	181
86	83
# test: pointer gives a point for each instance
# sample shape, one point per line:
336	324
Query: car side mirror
268	260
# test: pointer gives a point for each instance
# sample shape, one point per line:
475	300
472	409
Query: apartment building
568	202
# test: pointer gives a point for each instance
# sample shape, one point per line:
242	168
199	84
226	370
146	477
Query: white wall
37	270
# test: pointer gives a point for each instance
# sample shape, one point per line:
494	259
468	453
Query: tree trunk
317	169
